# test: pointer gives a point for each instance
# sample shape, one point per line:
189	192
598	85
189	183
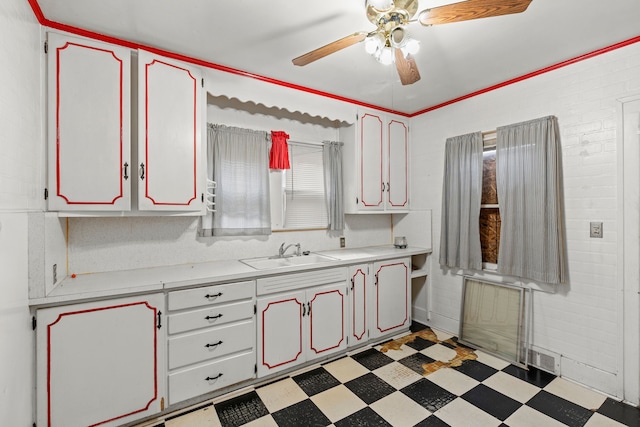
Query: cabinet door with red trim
281	332
391	311
88	96
170	103
371	168
327	314
397	185
359	291
100	363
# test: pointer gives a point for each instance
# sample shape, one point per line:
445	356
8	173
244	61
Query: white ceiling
262	37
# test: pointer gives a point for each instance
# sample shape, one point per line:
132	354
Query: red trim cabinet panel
100	363
170	95
359	324
376	164
280	332
296	327
392	297
89	97
371	145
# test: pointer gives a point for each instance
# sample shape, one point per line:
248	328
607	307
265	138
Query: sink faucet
283	249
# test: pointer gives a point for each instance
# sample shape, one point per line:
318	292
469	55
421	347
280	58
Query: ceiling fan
390	41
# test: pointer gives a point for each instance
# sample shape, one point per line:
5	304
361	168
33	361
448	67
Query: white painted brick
584	98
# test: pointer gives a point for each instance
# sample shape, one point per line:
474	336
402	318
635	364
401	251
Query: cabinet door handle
388	187
219	294
142	171
214	344
213	378
217	316
126	171
304	309
159	320
309	308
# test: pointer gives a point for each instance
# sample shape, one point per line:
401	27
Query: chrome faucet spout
284	248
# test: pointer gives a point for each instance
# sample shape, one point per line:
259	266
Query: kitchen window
298	194
489	208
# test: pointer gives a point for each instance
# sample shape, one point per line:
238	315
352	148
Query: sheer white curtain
332	159
461	195
239	162
529	181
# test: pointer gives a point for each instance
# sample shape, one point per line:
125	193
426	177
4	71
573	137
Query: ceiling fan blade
330	48
471	9
407	68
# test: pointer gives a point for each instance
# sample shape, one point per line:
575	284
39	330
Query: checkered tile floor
415	384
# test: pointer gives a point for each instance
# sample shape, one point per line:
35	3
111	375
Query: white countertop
146	280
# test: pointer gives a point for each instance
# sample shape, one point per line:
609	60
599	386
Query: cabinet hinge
46	193
34	323
46	46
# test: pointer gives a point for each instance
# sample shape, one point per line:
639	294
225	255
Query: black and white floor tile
372	387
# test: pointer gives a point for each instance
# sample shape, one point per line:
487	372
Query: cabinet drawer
210	295
210	316
211	343
203	379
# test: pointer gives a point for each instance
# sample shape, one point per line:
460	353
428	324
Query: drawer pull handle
219	294
217	316
214	345
213	378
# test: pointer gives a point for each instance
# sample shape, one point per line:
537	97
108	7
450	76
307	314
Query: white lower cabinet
100	363
111	362
359	292
391	300
212	336
295	327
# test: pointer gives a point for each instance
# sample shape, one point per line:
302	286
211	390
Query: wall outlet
343	242
595	230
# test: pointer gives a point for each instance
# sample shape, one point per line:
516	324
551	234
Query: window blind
305	205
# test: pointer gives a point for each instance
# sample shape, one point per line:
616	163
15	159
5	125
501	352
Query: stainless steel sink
266	263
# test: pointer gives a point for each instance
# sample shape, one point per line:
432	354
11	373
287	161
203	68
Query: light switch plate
596	230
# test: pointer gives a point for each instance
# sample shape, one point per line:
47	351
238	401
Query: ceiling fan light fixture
380	5
374	43
385	56
411	47
398	36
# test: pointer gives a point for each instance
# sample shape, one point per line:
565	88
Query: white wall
581	321
20	192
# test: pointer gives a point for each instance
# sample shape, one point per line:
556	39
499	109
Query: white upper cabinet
169	134
88	125
377	164
95	166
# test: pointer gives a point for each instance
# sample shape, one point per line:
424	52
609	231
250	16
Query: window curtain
238	161
332	159
529	181
461	195
279	154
